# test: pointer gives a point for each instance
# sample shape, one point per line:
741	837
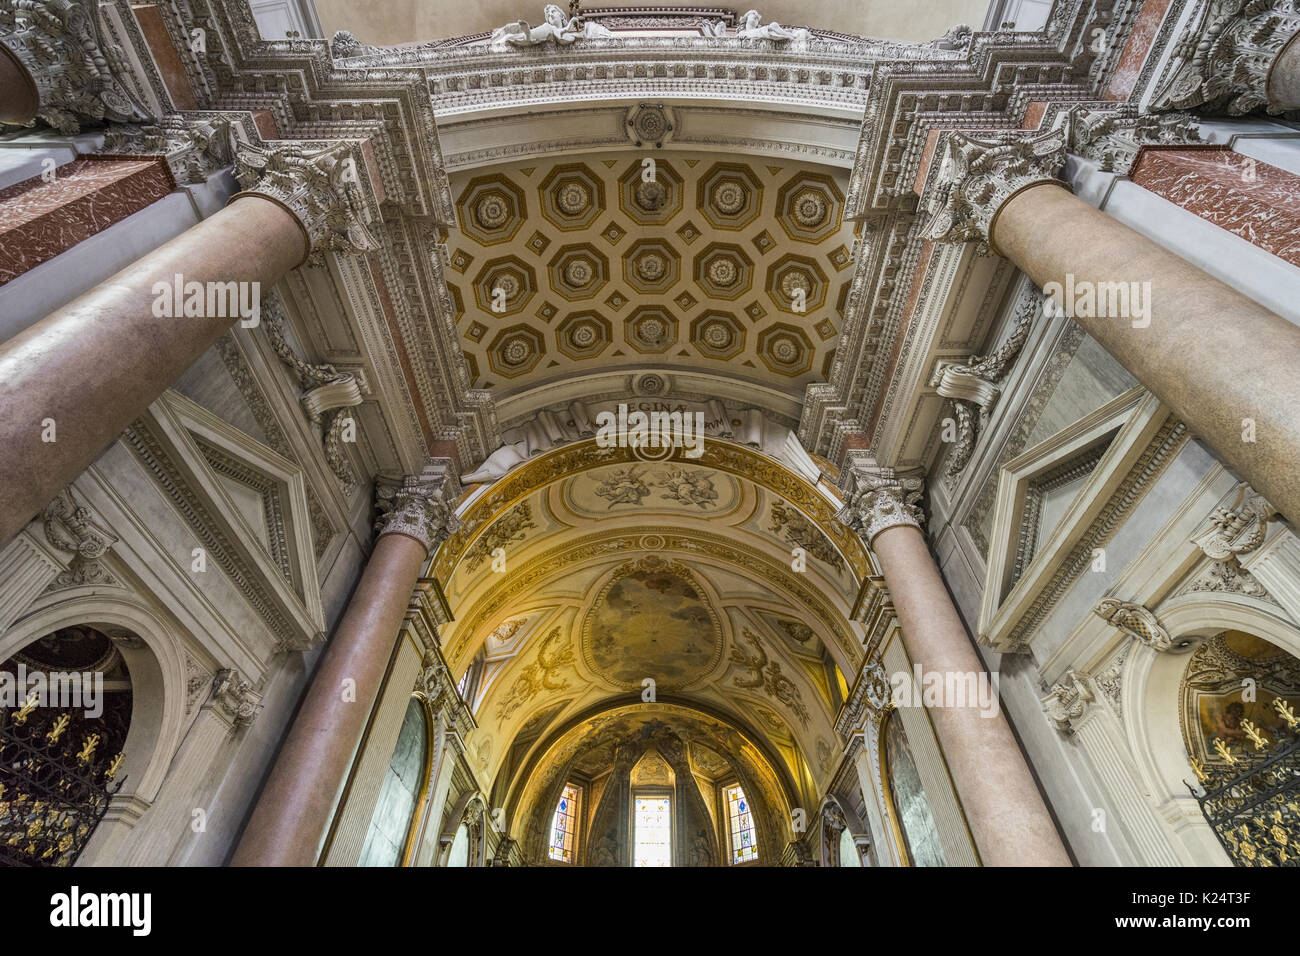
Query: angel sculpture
554	27
751	27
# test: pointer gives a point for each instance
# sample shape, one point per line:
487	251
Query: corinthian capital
321	187
877	500
1113	139
419	506
59	43
977	177
1226	54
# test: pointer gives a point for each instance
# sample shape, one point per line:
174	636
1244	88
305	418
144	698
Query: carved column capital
60	44
233	699
1068	701
322	187
1135	621
1226	55
875	499
419	506
977	177
194	148
1113	140
72	527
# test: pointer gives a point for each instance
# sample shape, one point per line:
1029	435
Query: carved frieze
1113	139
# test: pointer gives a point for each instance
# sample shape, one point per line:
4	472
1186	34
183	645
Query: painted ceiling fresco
610	573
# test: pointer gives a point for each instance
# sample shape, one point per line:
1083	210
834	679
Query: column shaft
1001	801
19	99
295	806
1226	365
1283	87
95	364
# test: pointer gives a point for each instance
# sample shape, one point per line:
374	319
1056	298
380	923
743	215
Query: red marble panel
927	157
1251	199
1034	114
909	312
1136	49
165	56
39	219
403	353
264	120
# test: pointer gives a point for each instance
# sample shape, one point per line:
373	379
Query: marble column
19	100
1001	800
296	804
1223	363
1237	58
71	382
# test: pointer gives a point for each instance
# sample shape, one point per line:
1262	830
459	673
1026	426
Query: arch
156	665
1150	688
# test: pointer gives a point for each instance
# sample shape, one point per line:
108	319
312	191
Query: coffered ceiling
677	259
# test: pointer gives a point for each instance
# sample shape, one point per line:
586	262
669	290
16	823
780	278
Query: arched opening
65	716
391	839
909	809
1239	703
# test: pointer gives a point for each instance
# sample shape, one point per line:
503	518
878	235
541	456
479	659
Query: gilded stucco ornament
1225	57
320	186
419	506
61	45
877	500
977	177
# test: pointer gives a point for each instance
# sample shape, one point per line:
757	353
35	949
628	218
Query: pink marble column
299	799
998	794
71	382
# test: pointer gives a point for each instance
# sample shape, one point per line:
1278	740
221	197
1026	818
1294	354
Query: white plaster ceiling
410	21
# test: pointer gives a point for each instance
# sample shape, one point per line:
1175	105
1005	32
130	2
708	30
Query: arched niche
1150	696
156	662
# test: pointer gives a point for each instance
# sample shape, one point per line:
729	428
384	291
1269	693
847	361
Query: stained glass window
653	831
740	820
564	826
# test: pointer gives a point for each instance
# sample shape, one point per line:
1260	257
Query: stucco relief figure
751	27
623	486
555	26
